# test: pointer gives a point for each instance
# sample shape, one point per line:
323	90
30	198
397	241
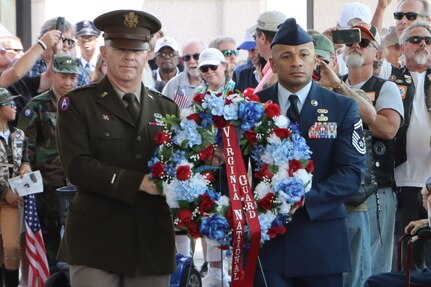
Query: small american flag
181	99
35	251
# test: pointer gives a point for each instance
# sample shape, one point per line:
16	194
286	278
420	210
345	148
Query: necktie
292	111
132	106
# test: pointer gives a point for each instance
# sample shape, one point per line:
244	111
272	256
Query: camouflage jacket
19	155
38	121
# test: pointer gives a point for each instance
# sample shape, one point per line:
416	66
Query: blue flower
230	112
170	170
154	159
291	189
190	189
213	194
214	103
178	156
207	119
216	228
189	133
250	113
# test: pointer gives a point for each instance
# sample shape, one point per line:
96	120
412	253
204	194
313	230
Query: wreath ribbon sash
242	200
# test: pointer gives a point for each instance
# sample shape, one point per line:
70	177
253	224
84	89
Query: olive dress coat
111	225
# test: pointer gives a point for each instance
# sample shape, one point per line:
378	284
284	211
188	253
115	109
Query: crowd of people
87	115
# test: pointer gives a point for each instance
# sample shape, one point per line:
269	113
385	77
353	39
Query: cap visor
129	44
322	53
209	62
247	45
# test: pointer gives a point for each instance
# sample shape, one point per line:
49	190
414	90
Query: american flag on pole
181	99
35	251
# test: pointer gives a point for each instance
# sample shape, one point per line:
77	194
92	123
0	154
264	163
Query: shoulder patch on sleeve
28	112
358	140
64	103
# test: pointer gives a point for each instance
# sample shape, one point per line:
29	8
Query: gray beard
354	60
422	59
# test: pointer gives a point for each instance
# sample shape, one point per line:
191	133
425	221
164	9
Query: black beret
128	29
290	33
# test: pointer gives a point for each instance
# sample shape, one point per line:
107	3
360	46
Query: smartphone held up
346	36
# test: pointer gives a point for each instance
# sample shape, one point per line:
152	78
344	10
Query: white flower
285	207
171	195
280	175
186	112
303	175
262	189
222	202
280	121
273	139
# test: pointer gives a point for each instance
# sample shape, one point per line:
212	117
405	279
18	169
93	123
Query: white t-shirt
417	168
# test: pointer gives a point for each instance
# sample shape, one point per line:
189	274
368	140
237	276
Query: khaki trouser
83	276
10	225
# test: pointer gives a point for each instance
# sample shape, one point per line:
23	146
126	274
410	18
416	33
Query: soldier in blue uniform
315	249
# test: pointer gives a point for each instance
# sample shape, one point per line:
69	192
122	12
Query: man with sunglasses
180	88
167	59
412	143
66	45
38	121
227	45
372	247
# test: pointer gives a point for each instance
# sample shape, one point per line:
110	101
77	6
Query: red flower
250	95
158	169
275	230
205	203
208	176
250	135
193	229
206	153
185	217
219	122
271	110
282	132
195	117
162	137
183	172
198	98
263	172
295	164
266	202
310	166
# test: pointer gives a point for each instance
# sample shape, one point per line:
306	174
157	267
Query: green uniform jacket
38	120
110	224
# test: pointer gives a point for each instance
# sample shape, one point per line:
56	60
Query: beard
354	60
422	59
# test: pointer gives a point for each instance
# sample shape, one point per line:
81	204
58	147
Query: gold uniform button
107	134
139	138
138	156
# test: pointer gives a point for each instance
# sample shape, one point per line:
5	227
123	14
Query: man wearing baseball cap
38	121
167	58
119	229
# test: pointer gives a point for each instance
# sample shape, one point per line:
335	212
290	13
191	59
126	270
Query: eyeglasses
411	16
363	44
228	53
204	69
70	42
163	55
187	58
418	39
10	104
87	38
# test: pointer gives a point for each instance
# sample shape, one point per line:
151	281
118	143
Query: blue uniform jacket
316	241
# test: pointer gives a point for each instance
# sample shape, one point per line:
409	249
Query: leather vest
404	81
382	150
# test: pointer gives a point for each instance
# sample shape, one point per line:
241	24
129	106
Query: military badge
28	113
105	117
379	148
130	20
314	103
403	91
64	104
326	130
358	140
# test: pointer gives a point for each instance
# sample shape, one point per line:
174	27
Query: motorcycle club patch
358	140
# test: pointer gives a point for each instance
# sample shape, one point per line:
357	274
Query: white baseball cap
211	56
166	42
270	20
354	10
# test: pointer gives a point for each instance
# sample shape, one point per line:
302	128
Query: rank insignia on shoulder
358	140
28	113
64	103
323	130
105	117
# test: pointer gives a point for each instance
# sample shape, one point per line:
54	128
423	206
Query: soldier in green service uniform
38	120
119	229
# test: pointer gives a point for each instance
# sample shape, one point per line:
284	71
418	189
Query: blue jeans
382	249
359	235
